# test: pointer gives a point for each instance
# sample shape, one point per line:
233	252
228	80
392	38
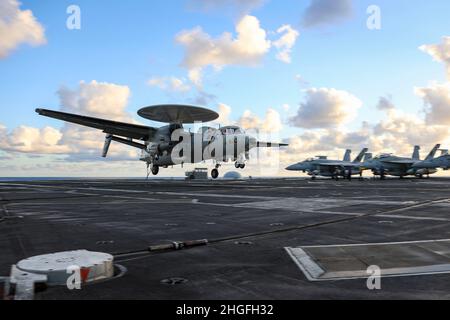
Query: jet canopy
316	158
383	155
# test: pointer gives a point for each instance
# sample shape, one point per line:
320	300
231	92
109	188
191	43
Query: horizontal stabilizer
270	145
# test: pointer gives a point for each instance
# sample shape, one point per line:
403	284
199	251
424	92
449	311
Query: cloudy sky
308	72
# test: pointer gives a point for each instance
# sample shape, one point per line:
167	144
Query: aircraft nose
293	167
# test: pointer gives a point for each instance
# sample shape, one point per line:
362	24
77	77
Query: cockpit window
384	155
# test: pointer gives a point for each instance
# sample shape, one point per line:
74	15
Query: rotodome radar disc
173	113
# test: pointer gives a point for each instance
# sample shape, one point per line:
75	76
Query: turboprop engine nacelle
155	149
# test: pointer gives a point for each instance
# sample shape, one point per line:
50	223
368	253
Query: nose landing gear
152	169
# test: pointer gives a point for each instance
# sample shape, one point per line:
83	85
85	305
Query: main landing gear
215	172
239	165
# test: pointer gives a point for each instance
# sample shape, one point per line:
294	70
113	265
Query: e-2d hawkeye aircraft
171	144
389	164
321	166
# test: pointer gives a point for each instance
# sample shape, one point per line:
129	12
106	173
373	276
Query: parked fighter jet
430	166
172	145
321	166
388	164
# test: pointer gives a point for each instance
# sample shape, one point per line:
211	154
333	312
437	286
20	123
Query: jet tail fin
416	153
444	152
368	156
348	154
360	156
433	152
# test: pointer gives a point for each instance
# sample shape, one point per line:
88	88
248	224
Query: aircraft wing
127	130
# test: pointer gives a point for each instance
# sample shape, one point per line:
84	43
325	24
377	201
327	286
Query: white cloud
325	12
18	27
440	52
286	42
400	130
32	140
247	48
195	75
397	133
202	50
103	100
171	84
224	114
385	103
270	124
96	99
325	108
436	98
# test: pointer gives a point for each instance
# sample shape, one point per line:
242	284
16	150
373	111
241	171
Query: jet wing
128	130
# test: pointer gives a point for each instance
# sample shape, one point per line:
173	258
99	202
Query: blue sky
128	43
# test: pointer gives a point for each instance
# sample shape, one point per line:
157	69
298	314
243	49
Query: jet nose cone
293	167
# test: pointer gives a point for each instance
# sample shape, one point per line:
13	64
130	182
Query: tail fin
444	152
348	154
433	152
416	153
360	155
368	156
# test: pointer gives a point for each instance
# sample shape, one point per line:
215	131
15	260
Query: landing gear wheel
242	166
214	173
237	165
155	170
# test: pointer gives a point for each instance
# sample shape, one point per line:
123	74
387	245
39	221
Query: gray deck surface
249	223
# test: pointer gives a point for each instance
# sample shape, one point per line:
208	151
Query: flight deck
288	238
